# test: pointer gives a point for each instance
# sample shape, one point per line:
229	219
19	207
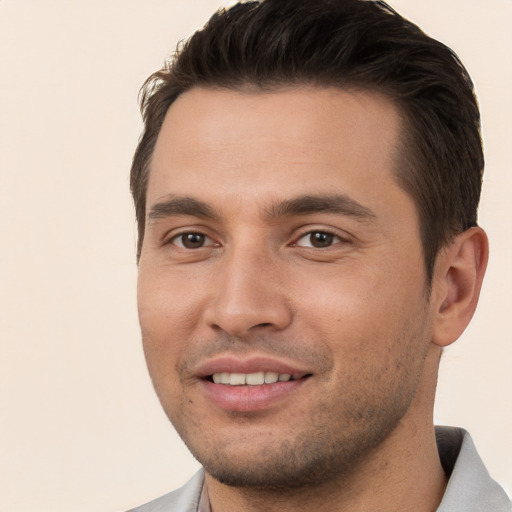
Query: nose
249	296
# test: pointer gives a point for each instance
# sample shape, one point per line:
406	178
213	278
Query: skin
352	313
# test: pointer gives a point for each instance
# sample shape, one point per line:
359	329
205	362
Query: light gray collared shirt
470	488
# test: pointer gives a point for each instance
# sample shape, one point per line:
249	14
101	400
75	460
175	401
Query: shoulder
184	499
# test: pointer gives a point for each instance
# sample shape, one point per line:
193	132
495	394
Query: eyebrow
339	204
177	205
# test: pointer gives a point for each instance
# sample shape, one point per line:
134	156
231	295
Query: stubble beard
314	457
329	446
336	438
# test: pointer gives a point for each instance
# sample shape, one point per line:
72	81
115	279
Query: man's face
279	246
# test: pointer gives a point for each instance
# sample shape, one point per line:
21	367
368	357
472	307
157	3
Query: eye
318	239
192	240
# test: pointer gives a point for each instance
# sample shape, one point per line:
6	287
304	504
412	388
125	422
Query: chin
309	459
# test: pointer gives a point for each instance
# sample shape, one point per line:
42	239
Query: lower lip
250	398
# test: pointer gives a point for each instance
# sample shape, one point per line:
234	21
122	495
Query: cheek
165	319
167	306
361	310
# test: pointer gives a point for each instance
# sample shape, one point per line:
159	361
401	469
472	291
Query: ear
457	280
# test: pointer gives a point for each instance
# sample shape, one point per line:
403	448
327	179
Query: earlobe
457	281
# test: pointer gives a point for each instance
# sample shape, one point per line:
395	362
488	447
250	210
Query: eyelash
181	236
323	231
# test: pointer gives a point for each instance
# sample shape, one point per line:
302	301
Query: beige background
80	427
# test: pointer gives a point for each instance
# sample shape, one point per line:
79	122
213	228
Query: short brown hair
358	44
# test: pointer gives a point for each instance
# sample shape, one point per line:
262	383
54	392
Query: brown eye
318	240
190	240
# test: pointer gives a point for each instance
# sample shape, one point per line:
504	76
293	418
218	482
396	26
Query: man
306	190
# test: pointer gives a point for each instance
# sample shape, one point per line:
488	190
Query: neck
404	473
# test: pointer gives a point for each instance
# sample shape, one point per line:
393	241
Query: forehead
233	144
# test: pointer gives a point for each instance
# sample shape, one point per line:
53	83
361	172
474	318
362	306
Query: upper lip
234	364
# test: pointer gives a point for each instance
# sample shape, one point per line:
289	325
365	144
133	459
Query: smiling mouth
254	390
252	379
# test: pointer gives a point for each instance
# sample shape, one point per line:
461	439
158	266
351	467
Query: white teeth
271	377
255	379
237	379
251	379
221	378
